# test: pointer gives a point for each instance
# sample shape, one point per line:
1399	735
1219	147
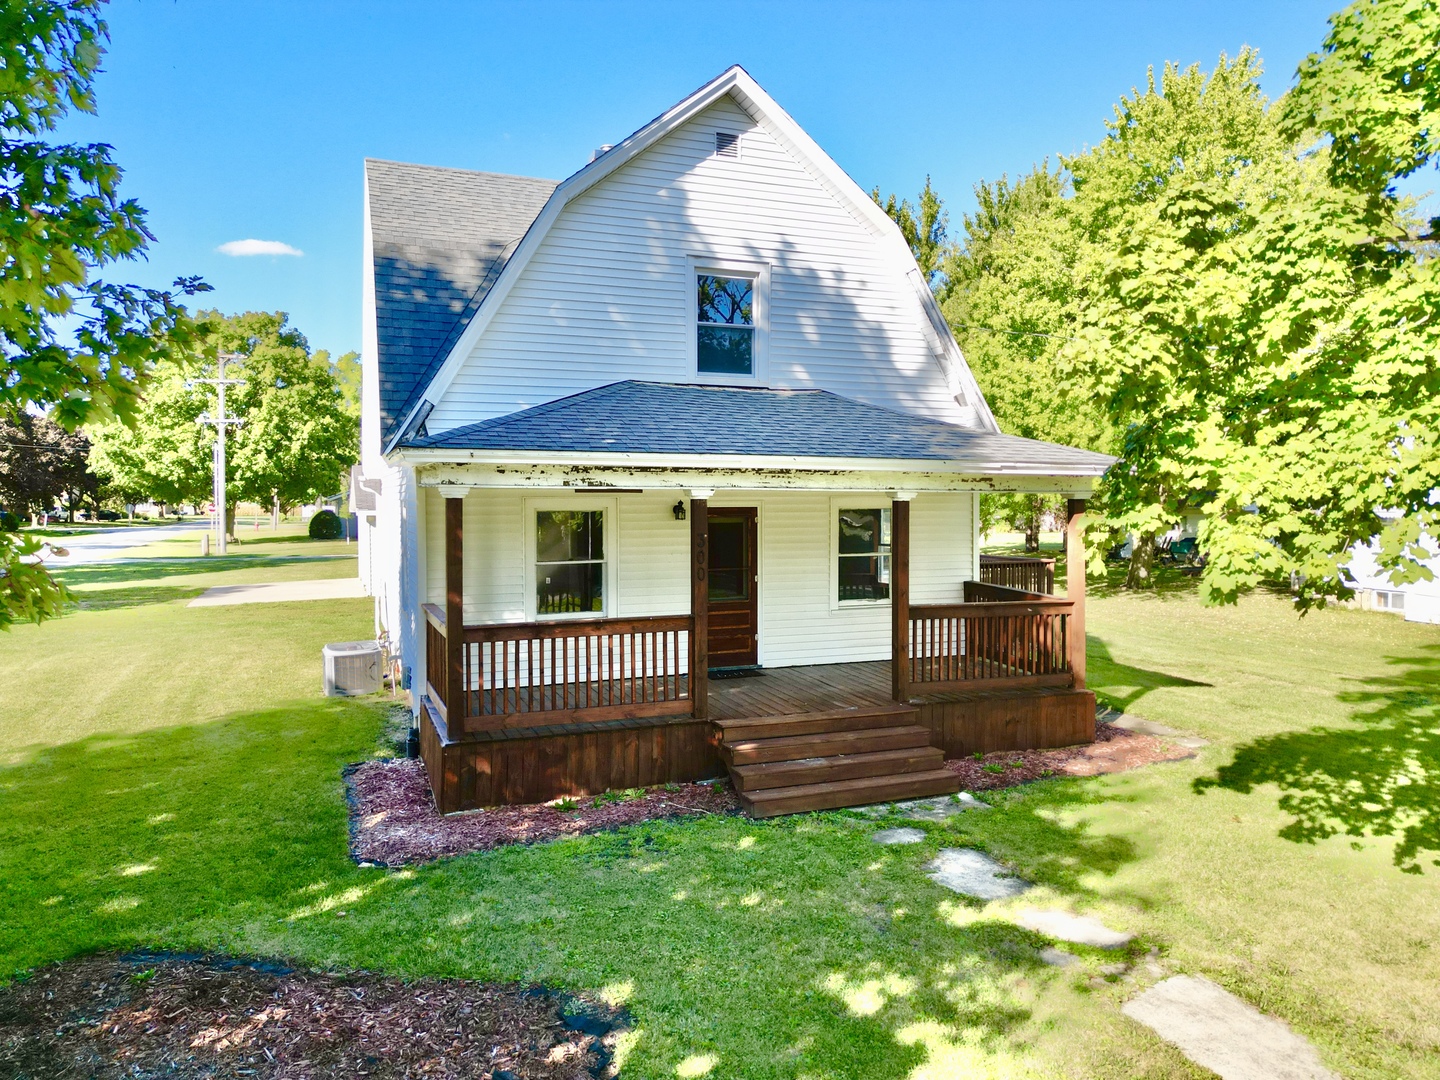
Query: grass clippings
1114	750
107	1016
393	820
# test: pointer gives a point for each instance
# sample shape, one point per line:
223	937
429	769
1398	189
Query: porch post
1075	585
700	603
900	596
454	611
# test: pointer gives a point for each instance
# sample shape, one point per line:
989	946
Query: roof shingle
440	238
634	417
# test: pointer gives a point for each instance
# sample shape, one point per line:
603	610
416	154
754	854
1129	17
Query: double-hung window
569	562
725	327
863	555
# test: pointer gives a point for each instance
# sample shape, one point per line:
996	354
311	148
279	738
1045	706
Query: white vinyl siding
609	294
798	623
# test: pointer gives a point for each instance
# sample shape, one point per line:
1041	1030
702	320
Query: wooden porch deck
779	691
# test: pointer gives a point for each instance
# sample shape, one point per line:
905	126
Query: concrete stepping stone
1057	957
1076	929
1219	1032
898	836
937	808
973	873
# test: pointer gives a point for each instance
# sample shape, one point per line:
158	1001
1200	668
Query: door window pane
864	555
730	560
569	562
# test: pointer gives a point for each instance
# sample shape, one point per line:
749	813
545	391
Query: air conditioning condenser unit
352	668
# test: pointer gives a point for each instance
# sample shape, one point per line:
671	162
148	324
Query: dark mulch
393	820
1114	750
165	1015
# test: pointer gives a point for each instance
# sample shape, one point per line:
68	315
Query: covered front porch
526	711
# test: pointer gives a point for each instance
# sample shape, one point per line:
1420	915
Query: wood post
699	607
900	599
455	614
1075	586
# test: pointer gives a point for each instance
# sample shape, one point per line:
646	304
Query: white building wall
798	622
610	294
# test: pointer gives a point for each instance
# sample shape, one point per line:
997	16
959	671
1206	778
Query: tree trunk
275	513
230	520
1141	574
1032	525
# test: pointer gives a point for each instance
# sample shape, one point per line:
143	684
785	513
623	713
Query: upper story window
725	331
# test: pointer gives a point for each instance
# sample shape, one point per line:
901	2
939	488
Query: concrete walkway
274	592
106	545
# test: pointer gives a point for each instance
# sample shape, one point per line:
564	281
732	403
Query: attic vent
727	144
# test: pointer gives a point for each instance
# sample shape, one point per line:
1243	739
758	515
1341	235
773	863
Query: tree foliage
75	345
1373	90
41	463
300	425
925	225
1265	338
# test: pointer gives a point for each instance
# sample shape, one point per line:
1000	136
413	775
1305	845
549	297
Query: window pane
864	577
725	350
567	535
864	531
566	588
729	569
725	300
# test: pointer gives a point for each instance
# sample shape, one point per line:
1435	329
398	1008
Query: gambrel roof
634	417
438	282
440	238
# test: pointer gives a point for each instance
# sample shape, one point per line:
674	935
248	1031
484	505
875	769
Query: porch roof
635	417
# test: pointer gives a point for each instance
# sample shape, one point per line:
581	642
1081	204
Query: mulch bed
166	1015
1114	750
393	820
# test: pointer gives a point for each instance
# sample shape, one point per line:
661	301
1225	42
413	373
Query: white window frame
858	501
759	273
611	538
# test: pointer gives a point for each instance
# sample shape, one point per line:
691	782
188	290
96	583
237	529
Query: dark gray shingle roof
671	418
440	237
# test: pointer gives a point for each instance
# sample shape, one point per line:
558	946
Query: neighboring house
668	460
1417	601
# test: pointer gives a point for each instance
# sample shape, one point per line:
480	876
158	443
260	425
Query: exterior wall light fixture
678	510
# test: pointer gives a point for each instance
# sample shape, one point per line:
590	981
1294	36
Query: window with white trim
863	555
725	324
569	562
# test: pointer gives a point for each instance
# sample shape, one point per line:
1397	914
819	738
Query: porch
529	711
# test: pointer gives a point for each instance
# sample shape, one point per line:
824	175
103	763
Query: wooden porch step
813	723
824	744
772	802
821	770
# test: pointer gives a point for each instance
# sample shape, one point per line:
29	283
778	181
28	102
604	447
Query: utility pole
221	422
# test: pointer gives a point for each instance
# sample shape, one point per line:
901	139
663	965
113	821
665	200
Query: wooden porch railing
998	639
571	671
1019	572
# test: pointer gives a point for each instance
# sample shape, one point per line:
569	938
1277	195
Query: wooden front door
734	591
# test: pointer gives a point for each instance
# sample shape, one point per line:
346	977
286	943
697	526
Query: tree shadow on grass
150	569
135	596
1121	685
1379	780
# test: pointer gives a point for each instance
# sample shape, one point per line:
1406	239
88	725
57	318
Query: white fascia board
420	456
764	109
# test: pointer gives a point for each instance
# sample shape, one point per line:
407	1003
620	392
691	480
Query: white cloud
257	247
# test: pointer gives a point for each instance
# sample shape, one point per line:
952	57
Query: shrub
9	522
327	525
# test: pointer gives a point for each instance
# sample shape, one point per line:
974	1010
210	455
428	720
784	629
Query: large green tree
1265	338
75	345
299	430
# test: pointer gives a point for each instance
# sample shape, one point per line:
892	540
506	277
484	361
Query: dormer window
725	332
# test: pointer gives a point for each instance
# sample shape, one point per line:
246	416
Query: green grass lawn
172	779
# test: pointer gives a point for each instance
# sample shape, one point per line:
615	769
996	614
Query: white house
1417	601
690	413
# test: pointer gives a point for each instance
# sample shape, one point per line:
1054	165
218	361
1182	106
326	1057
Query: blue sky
250	120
